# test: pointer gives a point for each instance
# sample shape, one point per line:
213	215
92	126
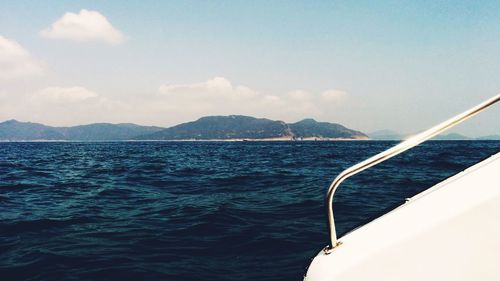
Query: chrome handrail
395	150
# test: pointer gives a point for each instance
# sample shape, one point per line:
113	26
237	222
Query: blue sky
370	65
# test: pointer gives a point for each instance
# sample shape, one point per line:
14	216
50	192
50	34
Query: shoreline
220	140
203	140
257	140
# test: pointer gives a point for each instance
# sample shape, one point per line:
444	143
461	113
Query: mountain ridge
242	127
232	127
13	130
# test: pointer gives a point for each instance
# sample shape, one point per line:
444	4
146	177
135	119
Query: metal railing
401	147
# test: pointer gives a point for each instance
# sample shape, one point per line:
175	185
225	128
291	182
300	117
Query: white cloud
16	62
60	95
61	106
219	96
85	26
170	105
216	89
333	95
299	95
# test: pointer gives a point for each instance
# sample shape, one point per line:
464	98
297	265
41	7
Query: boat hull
448	232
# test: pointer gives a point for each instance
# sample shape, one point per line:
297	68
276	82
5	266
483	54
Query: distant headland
210	128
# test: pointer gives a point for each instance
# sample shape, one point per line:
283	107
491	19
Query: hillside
13	130
310	128
223	128
246	127
231	127
106	131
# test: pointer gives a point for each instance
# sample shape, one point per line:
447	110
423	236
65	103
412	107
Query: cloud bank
59	95
17	62
169	105
220	96
86	26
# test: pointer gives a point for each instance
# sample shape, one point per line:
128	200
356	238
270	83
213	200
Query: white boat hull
449	232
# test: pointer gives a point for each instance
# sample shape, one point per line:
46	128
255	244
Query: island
209	128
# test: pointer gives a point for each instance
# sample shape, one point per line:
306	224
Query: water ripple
195	210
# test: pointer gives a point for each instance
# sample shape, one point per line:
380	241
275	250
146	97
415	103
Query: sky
369	65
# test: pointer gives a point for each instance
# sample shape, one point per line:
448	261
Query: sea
197	210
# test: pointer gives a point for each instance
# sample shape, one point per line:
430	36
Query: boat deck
448	232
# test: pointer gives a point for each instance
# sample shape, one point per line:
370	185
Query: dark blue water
195	210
